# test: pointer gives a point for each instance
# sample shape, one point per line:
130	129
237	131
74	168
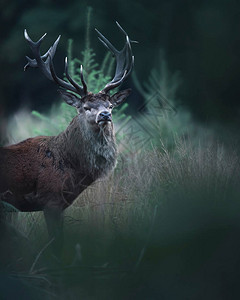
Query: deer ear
70	98
119	97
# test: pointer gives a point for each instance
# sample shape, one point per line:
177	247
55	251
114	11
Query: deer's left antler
124	60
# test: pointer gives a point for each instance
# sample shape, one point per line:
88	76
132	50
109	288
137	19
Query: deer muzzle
104	117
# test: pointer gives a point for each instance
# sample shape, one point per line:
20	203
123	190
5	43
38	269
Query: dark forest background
165	224
200	39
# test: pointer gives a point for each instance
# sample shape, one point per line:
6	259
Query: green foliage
56	122
161	80
162	118
95	76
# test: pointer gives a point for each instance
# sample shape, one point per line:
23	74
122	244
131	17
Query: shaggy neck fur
94	152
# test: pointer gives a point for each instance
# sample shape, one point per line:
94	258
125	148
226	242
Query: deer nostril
105	115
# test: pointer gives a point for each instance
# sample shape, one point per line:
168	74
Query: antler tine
106	42
120	27
80	89
27	37
124	60
47	66
83	81
35	47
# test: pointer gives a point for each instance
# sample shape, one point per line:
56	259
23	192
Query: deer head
94	109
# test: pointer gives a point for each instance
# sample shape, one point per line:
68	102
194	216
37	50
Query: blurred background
199	39
165	224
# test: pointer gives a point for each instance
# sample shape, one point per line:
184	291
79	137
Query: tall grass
162	219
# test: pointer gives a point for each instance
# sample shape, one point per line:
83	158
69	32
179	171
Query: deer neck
94	152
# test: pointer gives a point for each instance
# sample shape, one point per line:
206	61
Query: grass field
164	225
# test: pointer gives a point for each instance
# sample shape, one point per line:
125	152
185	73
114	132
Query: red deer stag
46	173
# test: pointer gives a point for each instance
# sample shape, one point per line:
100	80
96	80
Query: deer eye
111	106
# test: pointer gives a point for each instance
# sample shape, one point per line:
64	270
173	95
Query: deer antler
124	60
47	67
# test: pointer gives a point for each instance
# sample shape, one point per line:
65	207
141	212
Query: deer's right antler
47	67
